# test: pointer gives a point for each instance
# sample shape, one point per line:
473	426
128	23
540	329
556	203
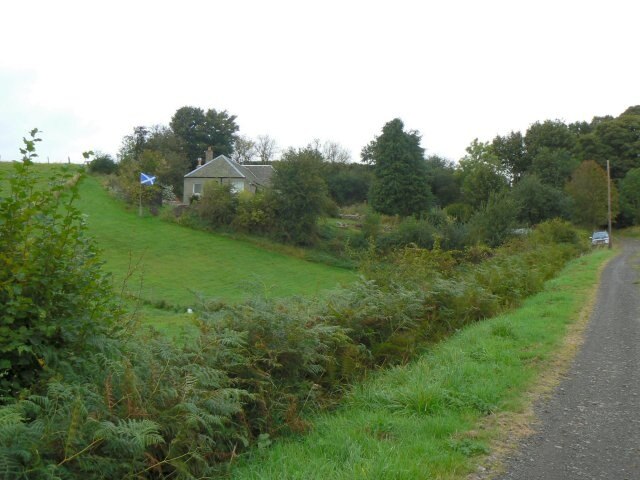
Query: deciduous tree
630	196
299	194
552	134
538	201
245	150
512	155
481	173
588	190
266	148
199	130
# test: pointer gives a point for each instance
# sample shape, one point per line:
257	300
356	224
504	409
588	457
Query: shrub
410	231
495	221
52	288
558	231
254	213
147	410
371	224
286	351
382	320
103	163
218	204
462	212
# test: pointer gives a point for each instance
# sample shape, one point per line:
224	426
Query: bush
558	231
371	225
411	231
254	213
103	163
493	224
218	204
52	288
286	351
462	212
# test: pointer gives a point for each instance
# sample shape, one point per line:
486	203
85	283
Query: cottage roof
261	173
223	167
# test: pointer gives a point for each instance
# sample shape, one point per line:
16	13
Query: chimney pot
199	161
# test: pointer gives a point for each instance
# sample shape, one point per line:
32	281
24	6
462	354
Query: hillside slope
171	262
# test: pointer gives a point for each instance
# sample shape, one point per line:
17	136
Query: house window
237	185
197	189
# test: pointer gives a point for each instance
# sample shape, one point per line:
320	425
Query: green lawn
425	420
171	263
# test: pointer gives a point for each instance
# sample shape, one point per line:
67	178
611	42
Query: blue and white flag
146	179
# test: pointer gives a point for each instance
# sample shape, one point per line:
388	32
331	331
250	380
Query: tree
299	194
335	153
103	163
400	184
481	173
493	223
616	140
512	155
538	201
199	130
588	191
132	145
444	184
630	197
554	166
266	148
245	150
552	134
166	143
348	183
150	162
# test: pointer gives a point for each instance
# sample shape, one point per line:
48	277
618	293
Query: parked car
600	238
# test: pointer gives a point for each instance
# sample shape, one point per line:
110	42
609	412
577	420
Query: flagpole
140	200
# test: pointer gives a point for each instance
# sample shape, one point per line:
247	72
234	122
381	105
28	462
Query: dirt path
590	427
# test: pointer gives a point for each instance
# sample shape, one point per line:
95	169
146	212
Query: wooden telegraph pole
609	203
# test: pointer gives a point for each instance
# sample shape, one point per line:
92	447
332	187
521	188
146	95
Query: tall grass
420	420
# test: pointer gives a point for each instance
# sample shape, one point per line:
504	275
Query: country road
590	427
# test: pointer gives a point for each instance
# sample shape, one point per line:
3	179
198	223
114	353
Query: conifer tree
400	185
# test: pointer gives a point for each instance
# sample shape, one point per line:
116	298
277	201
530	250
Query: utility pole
609	202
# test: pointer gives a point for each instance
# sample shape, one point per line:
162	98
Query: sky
87	72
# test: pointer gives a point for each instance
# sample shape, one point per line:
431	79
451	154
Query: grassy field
44	172
427	420
171	264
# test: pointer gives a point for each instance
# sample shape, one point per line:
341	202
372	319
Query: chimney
209	154
199	162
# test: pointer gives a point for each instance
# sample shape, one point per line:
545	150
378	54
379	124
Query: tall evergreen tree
400	185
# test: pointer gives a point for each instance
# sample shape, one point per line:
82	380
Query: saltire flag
146	179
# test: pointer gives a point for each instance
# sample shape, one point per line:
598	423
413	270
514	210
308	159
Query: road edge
510	428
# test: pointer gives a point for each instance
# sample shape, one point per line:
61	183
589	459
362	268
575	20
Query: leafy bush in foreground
53	294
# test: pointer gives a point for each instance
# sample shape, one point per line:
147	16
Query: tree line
553	169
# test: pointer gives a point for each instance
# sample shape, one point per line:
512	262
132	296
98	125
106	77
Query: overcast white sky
87	72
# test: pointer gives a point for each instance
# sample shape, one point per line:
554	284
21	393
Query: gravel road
590	427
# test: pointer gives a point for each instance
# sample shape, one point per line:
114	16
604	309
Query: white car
600	238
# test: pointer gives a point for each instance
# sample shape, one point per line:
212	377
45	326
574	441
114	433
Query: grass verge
429	419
